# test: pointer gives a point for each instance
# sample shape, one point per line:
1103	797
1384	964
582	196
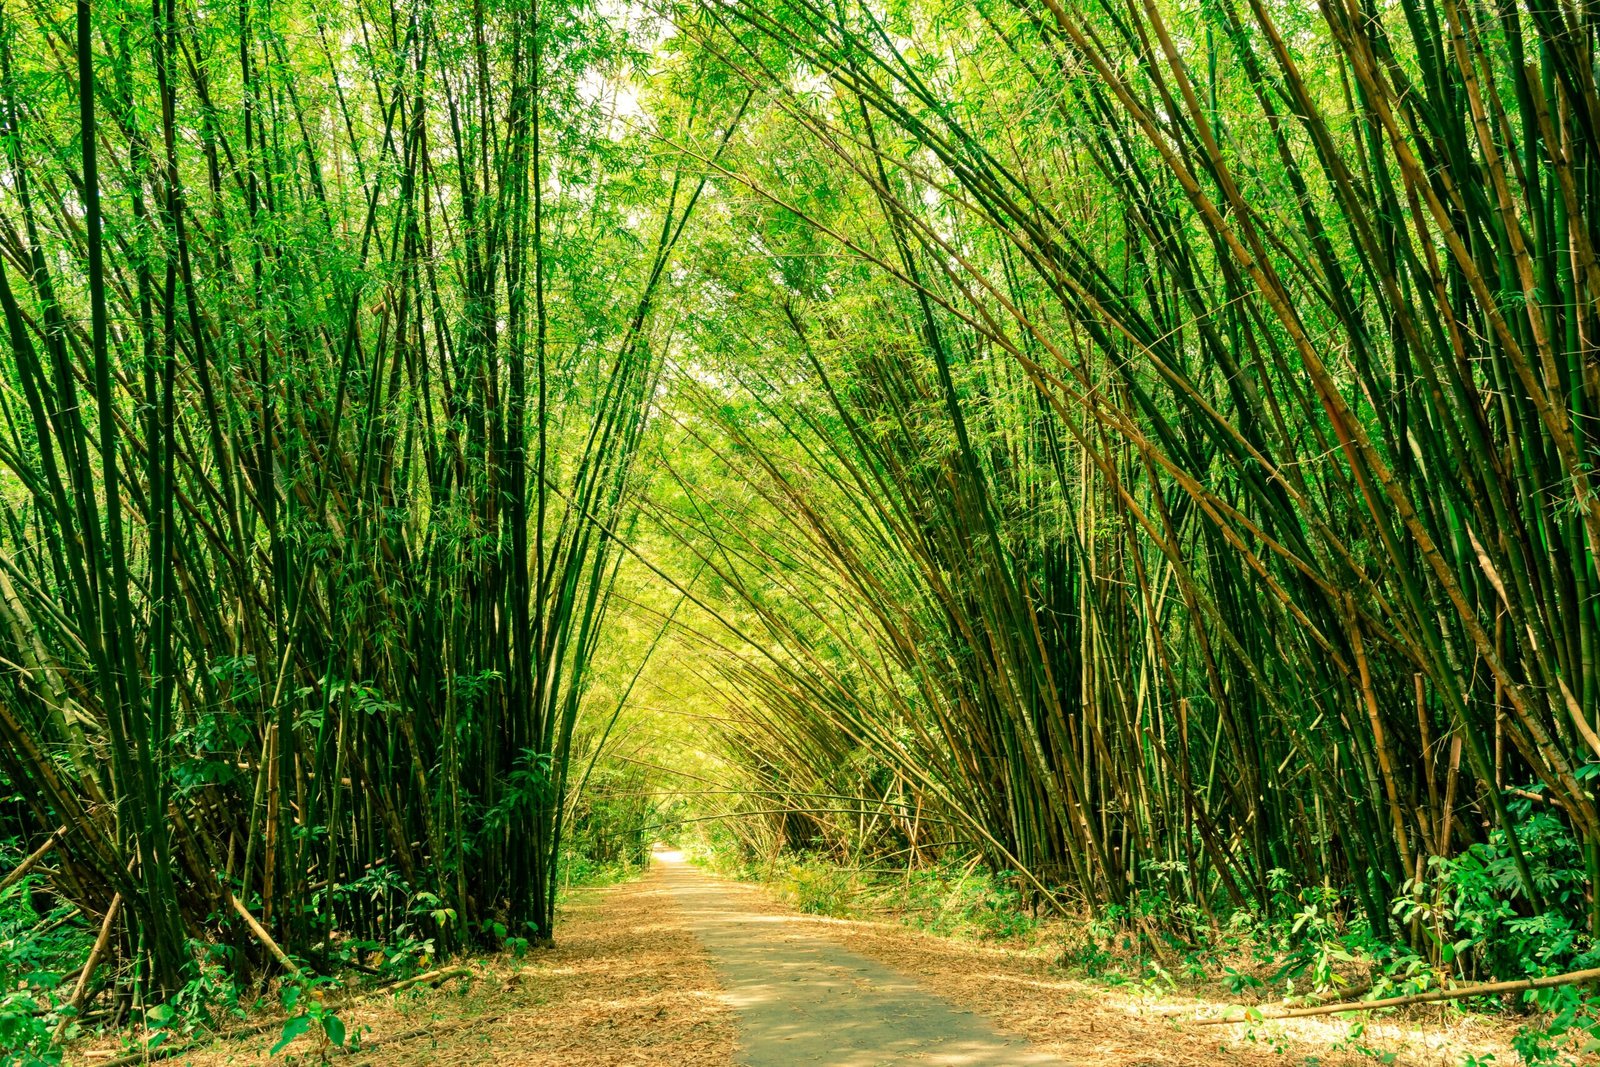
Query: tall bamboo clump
323	376
1284	557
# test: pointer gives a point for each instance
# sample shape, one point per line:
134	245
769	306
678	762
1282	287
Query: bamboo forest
1093	505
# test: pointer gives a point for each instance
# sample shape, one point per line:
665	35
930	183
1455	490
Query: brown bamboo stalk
1483	989
80	991
265	938
33	859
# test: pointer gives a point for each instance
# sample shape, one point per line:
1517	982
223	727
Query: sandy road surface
802	998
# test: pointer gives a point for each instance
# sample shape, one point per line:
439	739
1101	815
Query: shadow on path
802	999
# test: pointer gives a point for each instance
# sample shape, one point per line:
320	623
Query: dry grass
625	986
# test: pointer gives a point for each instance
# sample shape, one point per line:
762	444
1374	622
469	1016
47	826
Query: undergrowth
43	944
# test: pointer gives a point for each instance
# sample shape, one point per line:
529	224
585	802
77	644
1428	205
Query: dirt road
801	998
680	969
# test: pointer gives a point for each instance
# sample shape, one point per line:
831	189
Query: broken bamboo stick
433	978
264	937
80	992
33	859
1482	989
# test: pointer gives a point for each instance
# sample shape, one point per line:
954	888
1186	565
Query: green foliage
305	1003
819	888
1568	1033
950	898
39	951
1484	909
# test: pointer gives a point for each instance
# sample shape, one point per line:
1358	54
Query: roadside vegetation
1303	953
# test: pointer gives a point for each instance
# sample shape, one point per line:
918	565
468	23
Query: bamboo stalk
20	871
80	990
1482	989
265	938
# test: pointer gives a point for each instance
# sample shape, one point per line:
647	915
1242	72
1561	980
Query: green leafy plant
306	1003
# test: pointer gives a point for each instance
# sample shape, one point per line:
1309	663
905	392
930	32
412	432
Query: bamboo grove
1154	443
330	342
1144	444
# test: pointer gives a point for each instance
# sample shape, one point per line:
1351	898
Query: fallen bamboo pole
264	937
250	1030
33	859
81	991
1481	990
433	978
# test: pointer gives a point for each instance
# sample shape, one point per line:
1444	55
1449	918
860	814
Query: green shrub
819	888
39	950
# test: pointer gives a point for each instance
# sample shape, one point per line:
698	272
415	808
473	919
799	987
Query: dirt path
786	973
681	969
801	998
